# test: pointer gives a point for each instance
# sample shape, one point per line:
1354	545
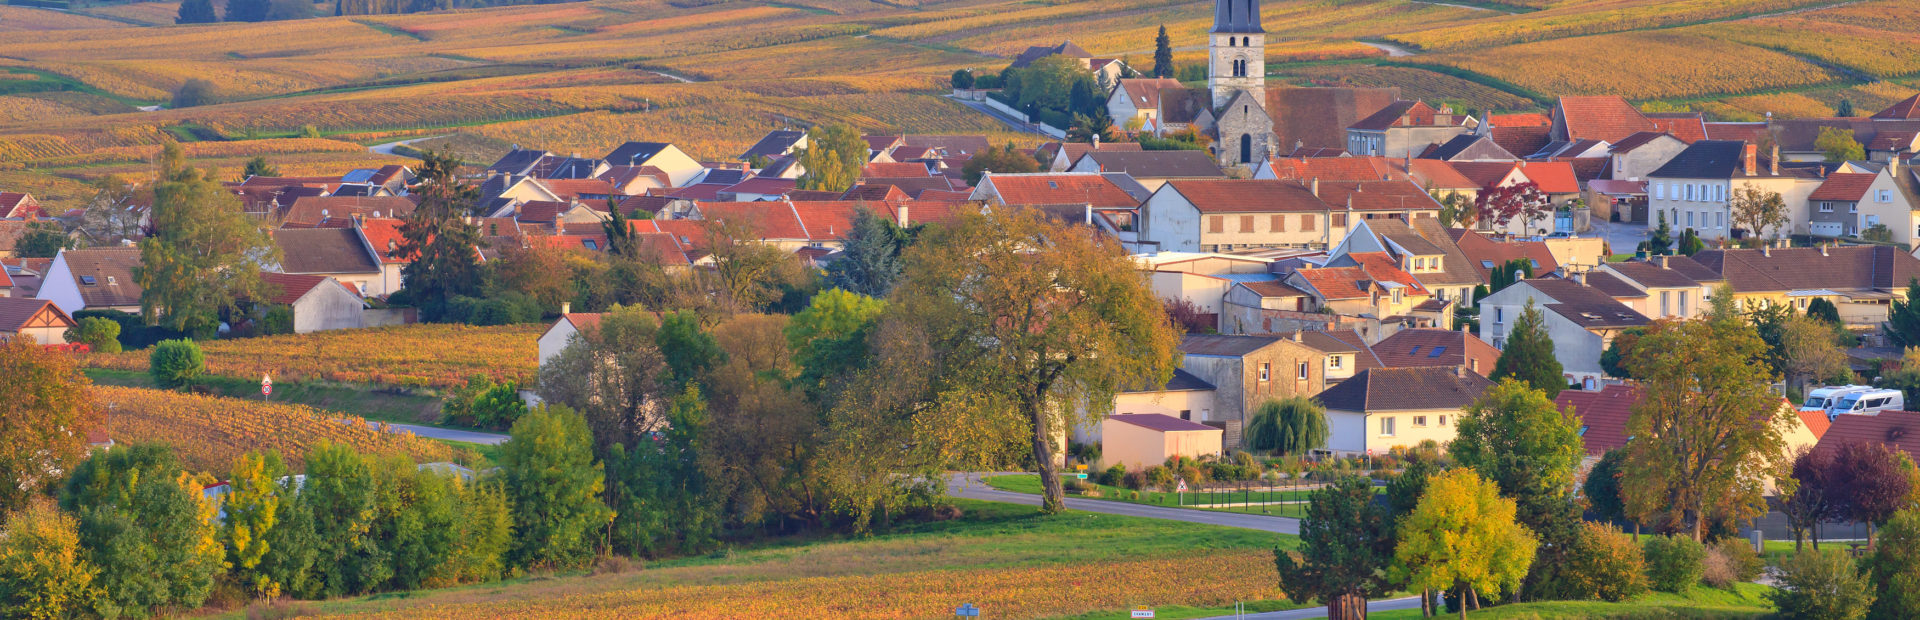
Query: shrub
176	363
1115	476
1675	563
1160	477
277	321
1745	563
1135	480
1821	584
100	334
1604	564
42	571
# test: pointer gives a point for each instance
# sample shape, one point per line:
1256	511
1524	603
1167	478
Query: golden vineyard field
1019	592
433	355
209	431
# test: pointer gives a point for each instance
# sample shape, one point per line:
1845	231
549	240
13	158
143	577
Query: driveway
1010	122
1622	237
970	486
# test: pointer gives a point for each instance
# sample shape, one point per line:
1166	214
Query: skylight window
1437	351
1415	350
86	280
1486	263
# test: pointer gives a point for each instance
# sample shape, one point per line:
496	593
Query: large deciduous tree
1290	426
1529	355
553	487
1839	145
110	216
833	158
1028	321
1500	205
48	409
438	238
1346	545
205	255
1756	210
196	12
1869	482
614	375
1462	535
144	523
1003	160
1894	568
750	271
1707	427
1520	441
1809	353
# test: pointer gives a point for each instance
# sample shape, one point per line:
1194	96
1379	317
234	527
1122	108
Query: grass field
1007	560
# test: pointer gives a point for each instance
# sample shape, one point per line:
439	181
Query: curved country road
970	486
444	434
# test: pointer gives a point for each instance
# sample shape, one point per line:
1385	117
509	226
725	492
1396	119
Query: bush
1115	476
42	571
1675	563
100	334
1603	564
1135	480
1821	584
176	363
134	334
1160	477
1740	559
195	92
277	321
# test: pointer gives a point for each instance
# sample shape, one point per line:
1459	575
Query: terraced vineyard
583	76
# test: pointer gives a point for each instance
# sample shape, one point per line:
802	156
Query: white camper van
1868	402
1821	399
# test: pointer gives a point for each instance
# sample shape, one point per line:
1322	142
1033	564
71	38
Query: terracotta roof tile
383	234
111	270
1899	430
1908	108
895	169
15	312
291	287
1844	186
1521	140
1688	128
1339	168
771	220
1528	119
1603	415
1839	268
1412	348
1553	177
1600	117
323	250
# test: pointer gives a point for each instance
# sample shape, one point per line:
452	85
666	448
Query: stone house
1404	129
1224	215
1663	287
1248	370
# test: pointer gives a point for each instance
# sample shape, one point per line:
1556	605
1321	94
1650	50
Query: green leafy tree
1602	488
870	255
1162	54
1091	127
1003	160
176	363
962	79
1346	544
1822	584
101	335
1456	209
343	494
1509	272
1894	568
194	92
1463	536
1291	426
144	524
1839	145
828	339
1903	322
833	158
259	167
691	352
43	570
1690	243
1756	210
614	375
1808	353
1845	109
296	546
252	508
439	239
1531	450
1603	563
663	497
42	240
1529	355
1613	359
1824	311
1708	419
205	254
196	12
47	405
553	486
1026	318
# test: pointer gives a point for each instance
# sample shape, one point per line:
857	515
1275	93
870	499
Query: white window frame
1826	207
1419	421
1388	428
1885	195
1305	371
1266	371
1333	361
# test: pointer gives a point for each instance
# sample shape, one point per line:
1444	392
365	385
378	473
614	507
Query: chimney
901	212
1774	164
1663	261
1089	214
1766	250
1459	372
1315	187
1747	156
1823	249
1296	335
1580	278
1096	142
566	308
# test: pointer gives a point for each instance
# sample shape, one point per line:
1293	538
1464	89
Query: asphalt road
447	434
1411	602
969	486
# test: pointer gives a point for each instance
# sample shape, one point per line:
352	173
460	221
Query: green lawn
1748	600
370	403
1236	501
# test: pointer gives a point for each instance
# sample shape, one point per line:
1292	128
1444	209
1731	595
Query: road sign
1081	476
1182	488
1142	611
266	386
1080	466
967	611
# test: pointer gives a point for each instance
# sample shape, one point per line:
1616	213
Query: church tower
1236	51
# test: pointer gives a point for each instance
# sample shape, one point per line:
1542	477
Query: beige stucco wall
1353	432
1140	448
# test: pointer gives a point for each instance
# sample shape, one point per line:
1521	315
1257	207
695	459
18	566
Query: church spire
1236	17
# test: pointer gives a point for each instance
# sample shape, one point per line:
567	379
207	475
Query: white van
1822	398
1868	402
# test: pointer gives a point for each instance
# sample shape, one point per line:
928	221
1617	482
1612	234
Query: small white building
1144	440
319	303
1581	321
1379	409
556	338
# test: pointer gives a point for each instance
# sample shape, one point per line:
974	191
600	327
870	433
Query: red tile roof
1688	129
1480	250
1521	141
292	286
384	235
573	189
690	232
1553	177
1603	415
1338	168
771	220
1528	119
1600	117
1908	108
1384	268
1357	282
1484	174
16	312
832	220
1744	132
1060	189
1844	186
699	191
895	169
1241	196
1899	430
1437	175
17	204
1409	348
765	186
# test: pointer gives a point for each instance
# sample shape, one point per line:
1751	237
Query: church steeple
1236	51
1236	17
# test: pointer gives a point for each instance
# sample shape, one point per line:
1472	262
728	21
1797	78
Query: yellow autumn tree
1462	535
42	574
252	507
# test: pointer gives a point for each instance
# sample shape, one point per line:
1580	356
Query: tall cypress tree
1528	355
1162	54
196	12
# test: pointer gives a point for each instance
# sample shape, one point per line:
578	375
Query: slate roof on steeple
1236	17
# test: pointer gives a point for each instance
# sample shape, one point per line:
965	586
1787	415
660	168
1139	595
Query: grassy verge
1747	600
1253	502
370	403
1007	559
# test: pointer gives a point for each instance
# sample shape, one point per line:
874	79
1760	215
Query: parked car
1868	402
1822	398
